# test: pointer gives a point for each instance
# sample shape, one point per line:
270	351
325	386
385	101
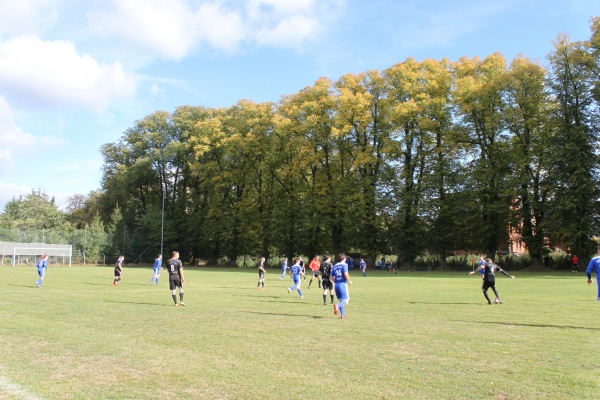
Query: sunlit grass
410	336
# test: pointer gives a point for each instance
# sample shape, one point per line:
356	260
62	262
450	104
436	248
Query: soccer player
594	266
157	268
261	273
176	279
297	275
314	265
118	270
303	267
363	266
575	262
284	268
489	279
339	275
42	266
327	284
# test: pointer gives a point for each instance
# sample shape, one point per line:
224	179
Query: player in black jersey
326	282
489	278
176	279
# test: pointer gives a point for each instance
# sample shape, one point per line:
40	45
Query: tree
574	159
529	119
480	100
35	210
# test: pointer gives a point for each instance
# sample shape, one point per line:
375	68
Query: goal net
30	253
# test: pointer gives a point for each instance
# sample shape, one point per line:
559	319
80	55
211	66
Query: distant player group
330	277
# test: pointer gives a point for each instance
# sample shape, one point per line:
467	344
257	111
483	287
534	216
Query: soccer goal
29	253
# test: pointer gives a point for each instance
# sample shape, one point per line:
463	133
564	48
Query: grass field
407	336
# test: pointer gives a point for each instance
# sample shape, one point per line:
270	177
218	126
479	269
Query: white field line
16	390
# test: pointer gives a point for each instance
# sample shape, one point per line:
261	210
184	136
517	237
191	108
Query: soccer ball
497	300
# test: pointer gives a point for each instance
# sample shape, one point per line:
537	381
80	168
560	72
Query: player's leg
497	299
485	288
598	288
41	273
181	293
173	287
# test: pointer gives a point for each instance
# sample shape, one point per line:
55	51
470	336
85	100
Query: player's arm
503	272
347	278
181	273
477	270
588	272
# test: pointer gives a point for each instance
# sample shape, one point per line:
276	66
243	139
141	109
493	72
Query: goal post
15	250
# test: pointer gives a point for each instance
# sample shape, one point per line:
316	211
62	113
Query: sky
75	75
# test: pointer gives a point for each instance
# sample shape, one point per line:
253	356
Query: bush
558	260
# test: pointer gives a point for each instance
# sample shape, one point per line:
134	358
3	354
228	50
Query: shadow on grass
135	302
533	325
437	303
285	315
25	286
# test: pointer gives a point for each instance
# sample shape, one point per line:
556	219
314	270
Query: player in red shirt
315	266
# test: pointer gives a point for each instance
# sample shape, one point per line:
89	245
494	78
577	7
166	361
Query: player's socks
300	292
180	296
174	298
487	297
263	285
324	299
342	312
156	281
331	298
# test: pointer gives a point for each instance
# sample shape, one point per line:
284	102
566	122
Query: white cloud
173	29
27	16
15	142
51	74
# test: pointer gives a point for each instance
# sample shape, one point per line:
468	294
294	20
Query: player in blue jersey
284	268
363	266
341	279
118	270
594	266
297	276
42	266
157	268
482	264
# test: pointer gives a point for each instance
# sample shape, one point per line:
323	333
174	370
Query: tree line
425	157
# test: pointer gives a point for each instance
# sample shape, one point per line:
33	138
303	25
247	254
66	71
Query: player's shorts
175	283
156	271
316	273
261	275
488	284
327	284
42	272
297	280
341	291
117	272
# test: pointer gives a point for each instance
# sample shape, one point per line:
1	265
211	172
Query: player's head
341	257
159	256
262	259
175	254
489	260
298	259
44	256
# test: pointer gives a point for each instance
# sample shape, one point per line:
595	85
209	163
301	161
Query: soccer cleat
343	317
301	297
176	304
497	301
37	284
182	303
335	309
